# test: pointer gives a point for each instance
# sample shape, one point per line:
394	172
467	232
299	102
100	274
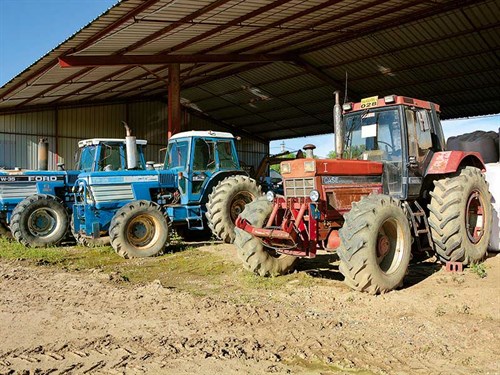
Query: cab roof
96	141
202	133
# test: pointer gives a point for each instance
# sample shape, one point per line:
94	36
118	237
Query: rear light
285	168
390	99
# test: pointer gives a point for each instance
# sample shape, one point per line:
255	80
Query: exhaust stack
131	147
43	154
338	126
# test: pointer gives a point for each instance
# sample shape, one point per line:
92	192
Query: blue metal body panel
16	186
181	188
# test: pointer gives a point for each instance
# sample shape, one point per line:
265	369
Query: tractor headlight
390	99
285	168
270	196
347	106
310	166
314	195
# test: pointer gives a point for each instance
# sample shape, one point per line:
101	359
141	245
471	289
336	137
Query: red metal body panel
399	100
333	167
448	161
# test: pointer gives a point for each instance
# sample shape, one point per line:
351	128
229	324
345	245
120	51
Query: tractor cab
196	157
106	154
402	133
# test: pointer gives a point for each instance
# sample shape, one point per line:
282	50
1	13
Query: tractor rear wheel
256	257
461	216
227	201
139	229
40	221
375	245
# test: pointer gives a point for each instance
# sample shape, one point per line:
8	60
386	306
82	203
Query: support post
174	100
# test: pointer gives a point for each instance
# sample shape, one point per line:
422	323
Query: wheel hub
383	246
474	217
141	231
41	222
238	204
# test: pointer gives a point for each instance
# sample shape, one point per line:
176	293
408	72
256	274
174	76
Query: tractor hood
336	167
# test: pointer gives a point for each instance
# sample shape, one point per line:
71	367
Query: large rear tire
139	229
256	257
461	216
40	221
375	245
227	201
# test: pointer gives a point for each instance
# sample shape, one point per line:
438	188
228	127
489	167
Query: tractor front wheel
40	221
461	216
227	200
375	245
257	257
139	229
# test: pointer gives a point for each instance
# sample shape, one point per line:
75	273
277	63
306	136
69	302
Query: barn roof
270	67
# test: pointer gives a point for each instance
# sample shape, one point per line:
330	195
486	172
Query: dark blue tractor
36	205
201	188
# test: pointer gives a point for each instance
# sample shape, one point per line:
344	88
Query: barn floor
195	310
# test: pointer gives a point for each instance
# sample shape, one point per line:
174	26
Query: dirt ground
63	321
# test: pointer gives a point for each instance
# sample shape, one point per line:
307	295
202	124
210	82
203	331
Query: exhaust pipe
43	154
131	147
338	127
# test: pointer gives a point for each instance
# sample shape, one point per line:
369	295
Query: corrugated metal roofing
447	51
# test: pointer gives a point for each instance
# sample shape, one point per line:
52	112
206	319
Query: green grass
201	271
479	269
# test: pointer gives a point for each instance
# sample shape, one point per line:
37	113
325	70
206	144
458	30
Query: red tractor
392	190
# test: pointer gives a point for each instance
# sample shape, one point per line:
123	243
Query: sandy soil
52	321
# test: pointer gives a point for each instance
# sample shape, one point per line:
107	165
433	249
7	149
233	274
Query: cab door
203	165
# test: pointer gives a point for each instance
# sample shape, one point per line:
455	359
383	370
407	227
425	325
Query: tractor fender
445	162
214	180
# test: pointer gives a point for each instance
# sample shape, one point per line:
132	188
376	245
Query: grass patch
479	269
201	271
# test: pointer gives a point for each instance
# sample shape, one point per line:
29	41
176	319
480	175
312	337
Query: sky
31	28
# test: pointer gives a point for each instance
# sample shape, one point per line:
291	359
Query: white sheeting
493	178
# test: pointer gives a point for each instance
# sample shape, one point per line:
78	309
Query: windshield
177	154
373	135
86	159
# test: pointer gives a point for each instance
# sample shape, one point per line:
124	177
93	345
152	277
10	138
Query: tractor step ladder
194	218
420	226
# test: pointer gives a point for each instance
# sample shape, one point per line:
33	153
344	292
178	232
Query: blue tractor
37	204
201	187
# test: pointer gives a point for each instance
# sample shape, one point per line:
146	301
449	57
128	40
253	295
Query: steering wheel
385	143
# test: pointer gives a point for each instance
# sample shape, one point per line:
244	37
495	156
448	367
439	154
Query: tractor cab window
111	157
177	155
377	136
85	161
226	157
204	155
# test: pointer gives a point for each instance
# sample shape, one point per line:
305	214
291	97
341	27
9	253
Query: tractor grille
298	187
167	179
111	193
12	191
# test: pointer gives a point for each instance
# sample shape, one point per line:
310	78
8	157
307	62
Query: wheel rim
142	231
42	222
238	204
390	246
474	217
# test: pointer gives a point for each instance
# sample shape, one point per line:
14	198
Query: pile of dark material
486	143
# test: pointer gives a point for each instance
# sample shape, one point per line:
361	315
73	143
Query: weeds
479	269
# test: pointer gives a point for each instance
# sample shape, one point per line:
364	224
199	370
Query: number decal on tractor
372	101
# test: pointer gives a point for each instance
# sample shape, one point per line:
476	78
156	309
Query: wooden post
174	100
